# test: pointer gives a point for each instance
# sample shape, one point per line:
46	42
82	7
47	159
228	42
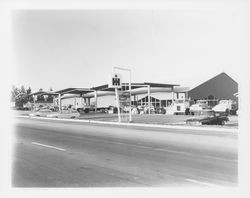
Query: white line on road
202	183
48	146
174	151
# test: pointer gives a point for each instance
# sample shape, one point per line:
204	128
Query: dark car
208	117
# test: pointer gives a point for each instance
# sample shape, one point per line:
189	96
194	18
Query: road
67	154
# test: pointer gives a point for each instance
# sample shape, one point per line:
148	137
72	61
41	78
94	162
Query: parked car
65	114
200	105
226	106
208	117
41	113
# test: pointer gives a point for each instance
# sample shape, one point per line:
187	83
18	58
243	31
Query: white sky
78	48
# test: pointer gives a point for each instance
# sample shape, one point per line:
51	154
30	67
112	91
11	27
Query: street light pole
129	70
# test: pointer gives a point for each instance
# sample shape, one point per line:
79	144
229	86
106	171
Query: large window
144	101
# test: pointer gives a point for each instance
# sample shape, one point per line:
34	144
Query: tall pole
117	104
124	69
130	108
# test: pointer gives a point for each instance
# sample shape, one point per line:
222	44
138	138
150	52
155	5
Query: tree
28	91
14	93
19	96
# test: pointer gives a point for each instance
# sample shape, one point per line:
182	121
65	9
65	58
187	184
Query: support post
130	111
34	98
172	95
95	101
59	103
149	100
118	105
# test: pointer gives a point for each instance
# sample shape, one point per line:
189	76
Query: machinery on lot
180	106
84	108
226	106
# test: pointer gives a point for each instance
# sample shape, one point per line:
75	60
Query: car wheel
73	117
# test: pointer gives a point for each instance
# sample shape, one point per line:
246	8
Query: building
220	87
161	95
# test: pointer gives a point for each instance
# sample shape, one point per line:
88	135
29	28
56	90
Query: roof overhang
43	93
79	91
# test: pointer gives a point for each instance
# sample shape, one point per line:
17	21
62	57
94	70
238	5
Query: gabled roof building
219	87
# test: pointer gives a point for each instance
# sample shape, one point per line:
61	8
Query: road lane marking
174	151
48	146
202	183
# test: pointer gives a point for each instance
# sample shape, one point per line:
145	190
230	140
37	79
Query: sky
79	48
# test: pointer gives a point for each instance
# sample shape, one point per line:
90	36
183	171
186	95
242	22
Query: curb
137	124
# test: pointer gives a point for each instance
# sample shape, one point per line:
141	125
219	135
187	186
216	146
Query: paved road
61	154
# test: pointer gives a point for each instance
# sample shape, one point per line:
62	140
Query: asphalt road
61	154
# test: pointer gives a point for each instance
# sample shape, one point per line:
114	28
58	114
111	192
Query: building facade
220	87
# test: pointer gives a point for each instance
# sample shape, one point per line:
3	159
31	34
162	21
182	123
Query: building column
135	101
59	103
95	101
172	95
149	99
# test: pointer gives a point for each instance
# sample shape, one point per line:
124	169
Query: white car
65	114
226	106
199	106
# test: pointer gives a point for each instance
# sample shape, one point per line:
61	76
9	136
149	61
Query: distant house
219	87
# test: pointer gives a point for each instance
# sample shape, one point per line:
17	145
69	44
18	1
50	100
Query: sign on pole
115	81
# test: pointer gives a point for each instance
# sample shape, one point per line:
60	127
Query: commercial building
220	87
143	94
